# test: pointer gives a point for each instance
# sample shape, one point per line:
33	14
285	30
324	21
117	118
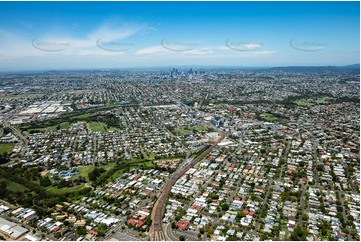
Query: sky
86	35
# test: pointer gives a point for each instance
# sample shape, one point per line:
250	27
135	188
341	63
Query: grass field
303	102
97	126
64	190
147	164
269	117
148	156
324	100
15	187
6	147
117	174
65	125
100	127
84	171
310	101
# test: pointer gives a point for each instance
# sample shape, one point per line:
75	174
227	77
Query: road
349	237
285	158
156	230
316	162
265	200
22	138
349	177
302	202
169	233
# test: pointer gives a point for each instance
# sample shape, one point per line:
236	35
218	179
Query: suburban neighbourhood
243	155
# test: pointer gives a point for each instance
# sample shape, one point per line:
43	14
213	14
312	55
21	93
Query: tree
320	167
241	214
225	206
81	230
4	158
57	235
45	181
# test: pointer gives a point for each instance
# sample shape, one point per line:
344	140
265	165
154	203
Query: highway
156	230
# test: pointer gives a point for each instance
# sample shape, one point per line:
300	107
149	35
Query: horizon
126	35
181	67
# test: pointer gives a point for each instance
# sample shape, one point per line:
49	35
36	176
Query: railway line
156	230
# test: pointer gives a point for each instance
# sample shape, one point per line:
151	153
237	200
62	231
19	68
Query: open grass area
147	164
199	128
64	125
324	100
64	190
100	127
84	171
268	117
312	101
139	164
112	129
97	126
108	166
15	187
148	156
303	102
6	147
179	131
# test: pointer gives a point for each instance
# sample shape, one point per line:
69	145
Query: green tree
45	181
225	206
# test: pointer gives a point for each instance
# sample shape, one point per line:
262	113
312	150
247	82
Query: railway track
156	230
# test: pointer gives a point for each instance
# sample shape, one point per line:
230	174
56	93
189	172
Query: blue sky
71	35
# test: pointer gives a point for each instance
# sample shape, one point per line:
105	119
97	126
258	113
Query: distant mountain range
355	68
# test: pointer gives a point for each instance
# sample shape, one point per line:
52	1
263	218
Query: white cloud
265	52
14	45
251	45
156	49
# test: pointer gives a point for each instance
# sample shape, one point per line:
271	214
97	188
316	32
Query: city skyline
43	35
